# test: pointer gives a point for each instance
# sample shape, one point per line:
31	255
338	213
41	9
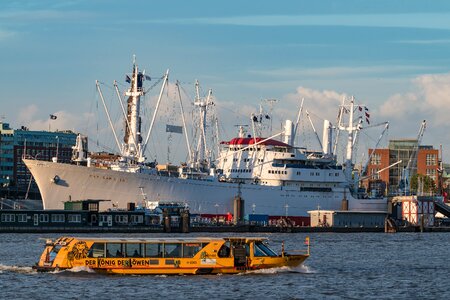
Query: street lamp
217	213
57	147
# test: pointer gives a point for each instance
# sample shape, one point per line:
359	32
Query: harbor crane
404	184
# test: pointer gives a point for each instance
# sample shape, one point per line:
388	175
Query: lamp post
57	147
217	213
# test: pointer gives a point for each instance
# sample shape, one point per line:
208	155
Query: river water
341	266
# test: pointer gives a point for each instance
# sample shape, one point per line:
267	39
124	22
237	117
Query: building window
431	160
137	219
122	219
58	218
375	159
21	218
431	173
74	218
8	218
375	174
43	218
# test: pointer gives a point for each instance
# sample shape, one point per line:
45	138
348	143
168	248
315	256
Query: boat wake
300	269
17	269
81	269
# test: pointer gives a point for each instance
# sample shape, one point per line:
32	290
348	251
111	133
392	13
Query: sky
392	56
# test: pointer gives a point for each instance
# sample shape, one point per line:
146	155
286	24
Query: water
350	266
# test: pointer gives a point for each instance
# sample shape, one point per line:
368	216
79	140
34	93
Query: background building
6	155
42	145
402	149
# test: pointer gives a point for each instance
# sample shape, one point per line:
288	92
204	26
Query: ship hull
64	182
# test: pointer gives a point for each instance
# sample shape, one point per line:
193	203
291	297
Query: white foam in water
16	269
300	269
304	269
80	269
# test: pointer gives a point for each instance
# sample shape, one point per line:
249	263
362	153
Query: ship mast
349	153
133	139
202	104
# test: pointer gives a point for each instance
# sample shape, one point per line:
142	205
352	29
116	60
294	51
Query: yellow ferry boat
166	256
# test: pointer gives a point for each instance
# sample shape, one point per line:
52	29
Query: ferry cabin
164	256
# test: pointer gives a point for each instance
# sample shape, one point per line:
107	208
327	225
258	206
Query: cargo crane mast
404	186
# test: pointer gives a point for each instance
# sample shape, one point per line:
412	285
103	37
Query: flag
128	78
53	117
367	115
174	128
367	120
365	107
360	108
307	240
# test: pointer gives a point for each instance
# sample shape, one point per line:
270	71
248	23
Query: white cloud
6	34
429	100
405	20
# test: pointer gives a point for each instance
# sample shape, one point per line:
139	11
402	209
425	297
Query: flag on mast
53	117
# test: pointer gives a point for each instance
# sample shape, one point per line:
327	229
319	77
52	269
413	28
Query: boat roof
251	141
162	240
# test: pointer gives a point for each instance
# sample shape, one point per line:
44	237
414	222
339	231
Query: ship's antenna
271	104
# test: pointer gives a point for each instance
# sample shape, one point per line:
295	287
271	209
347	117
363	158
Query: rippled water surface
350	266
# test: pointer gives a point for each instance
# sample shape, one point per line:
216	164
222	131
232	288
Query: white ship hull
63	182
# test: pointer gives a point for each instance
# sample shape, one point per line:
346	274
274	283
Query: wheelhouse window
261	249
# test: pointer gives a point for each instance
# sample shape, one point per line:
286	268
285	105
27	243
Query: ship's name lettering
119	262
140	262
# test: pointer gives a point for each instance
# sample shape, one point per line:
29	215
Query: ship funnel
288	133
327	137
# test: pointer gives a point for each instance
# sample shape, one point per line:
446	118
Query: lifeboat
166	255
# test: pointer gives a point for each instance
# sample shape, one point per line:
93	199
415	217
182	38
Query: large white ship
273	177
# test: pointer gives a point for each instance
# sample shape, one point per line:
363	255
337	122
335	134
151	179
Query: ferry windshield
263	250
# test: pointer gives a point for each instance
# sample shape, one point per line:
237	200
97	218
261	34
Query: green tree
429	186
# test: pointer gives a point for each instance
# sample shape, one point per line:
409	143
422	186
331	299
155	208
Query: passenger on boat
136	254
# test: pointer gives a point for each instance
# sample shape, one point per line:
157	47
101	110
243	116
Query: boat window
153	250
224	251
190	249
97	250
262	249
172	250
114	250
133	250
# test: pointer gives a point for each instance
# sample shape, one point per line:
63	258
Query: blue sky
393	56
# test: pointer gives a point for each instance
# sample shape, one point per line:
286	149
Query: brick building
402	149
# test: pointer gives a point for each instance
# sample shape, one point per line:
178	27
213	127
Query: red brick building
389	178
